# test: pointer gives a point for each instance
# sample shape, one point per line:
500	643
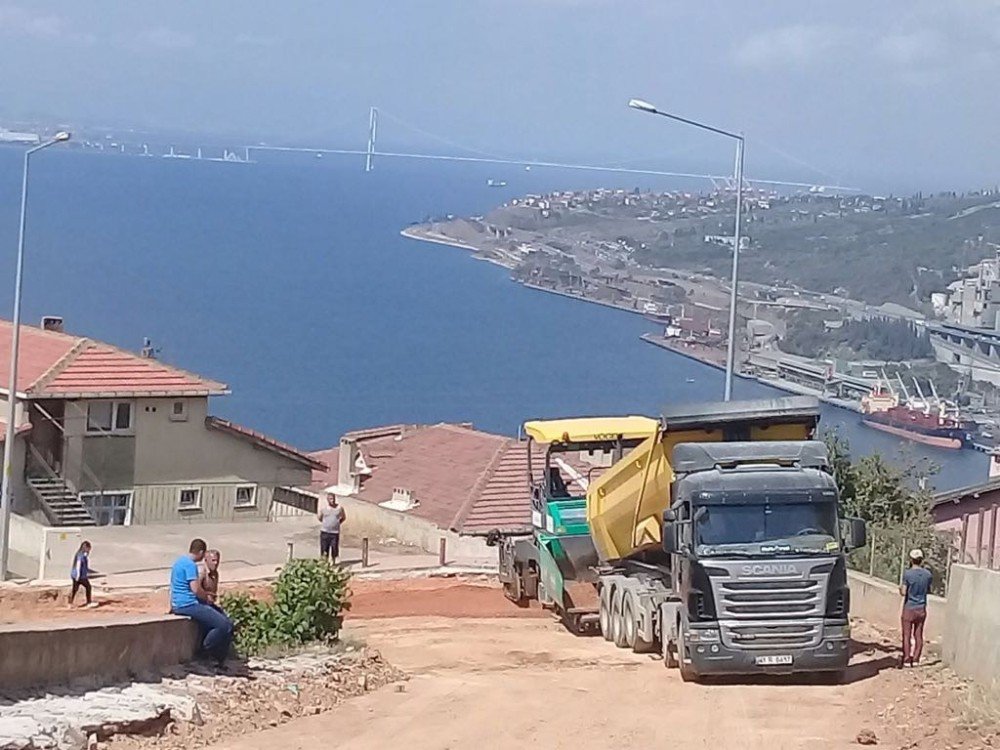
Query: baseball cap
916	554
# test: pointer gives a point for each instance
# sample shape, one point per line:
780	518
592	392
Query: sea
288	280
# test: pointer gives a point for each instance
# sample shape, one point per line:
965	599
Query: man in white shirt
331	516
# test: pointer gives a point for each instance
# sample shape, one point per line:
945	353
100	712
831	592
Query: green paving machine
556	563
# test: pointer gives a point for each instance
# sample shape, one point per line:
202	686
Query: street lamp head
62	135
642	105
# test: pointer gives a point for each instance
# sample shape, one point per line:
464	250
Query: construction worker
914	589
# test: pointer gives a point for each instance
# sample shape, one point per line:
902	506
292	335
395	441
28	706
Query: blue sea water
289	281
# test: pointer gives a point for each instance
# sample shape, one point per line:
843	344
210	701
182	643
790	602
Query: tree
895	503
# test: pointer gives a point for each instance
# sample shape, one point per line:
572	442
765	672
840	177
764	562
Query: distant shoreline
425	235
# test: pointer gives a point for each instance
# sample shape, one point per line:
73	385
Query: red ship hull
938	441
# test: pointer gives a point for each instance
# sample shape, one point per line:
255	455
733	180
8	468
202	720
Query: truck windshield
765	528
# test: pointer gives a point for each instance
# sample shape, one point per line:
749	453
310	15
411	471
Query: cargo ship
931	421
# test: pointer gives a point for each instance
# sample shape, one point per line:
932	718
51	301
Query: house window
99	416
123	415
178	411
189	498
246	496
109	416
109	508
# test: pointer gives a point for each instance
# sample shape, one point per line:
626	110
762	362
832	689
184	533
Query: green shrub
253	621
308	599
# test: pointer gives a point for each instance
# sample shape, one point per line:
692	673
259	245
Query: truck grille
770	599
754	612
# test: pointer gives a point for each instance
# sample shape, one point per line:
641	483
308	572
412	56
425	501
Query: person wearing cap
914	589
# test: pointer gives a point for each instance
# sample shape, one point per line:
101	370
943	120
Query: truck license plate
773	660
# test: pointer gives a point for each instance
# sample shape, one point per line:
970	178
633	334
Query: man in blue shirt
189	600
914	589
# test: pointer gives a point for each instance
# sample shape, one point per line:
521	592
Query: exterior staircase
60	502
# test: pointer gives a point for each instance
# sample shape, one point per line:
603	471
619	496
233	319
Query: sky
895	94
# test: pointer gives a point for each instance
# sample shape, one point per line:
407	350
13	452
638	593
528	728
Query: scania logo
774	569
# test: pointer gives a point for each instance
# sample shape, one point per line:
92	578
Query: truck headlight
837	631
710	635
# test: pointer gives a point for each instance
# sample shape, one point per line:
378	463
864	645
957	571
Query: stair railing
98	484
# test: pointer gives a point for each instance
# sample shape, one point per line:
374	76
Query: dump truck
720	543
712	535
556	562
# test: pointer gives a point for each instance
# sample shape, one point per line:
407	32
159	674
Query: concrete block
878	602
971	646
40	654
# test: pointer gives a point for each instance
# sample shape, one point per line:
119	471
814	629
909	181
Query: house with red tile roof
108	436
421	483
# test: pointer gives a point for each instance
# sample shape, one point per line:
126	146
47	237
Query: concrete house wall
162	454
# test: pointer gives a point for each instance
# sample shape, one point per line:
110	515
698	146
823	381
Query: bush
253	621
897	508
308	599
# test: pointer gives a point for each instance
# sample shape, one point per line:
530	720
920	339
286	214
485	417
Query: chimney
350	466
994	464
403	499
52	323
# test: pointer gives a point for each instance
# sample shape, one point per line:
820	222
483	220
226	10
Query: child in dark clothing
81	574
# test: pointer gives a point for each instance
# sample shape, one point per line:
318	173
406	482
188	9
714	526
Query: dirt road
527	683
466	596
485	674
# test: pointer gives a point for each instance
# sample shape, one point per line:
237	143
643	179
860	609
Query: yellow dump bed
625	505
590	429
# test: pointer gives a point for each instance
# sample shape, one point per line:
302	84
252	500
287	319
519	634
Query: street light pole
734	283
15	342
644	106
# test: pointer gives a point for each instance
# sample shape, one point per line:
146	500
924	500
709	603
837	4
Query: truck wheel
512	589
670	660
631	624
604	615
617	621
628	622
687	673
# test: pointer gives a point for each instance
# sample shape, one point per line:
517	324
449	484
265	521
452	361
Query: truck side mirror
671	544
857	533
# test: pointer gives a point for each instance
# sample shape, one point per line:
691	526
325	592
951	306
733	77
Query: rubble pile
190	707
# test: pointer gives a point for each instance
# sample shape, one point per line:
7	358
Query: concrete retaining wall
43	553
366	519
41	654
879	603
971	646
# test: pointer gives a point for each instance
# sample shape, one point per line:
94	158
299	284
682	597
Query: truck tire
512	589
670	660
633	639
688	674
617	621
628	621
604	613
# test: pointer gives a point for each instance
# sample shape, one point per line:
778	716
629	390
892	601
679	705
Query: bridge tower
372	132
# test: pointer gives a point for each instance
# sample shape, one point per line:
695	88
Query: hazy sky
899	93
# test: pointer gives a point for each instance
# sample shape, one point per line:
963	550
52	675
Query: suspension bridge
371	152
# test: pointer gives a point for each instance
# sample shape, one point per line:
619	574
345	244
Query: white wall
375	522
971	646
48	550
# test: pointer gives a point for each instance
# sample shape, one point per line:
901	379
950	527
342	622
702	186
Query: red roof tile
463	479
39	351
61	366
